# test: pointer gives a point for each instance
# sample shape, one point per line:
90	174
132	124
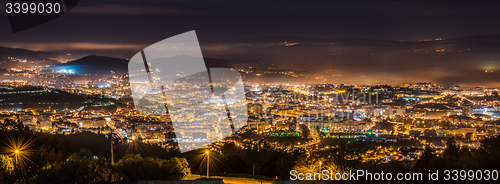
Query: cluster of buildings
422	112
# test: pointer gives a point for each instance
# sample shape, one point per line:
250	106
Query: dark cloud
145	21
130	10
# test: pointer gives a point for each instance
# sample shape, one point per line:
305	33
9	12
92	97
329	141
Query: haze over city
356	42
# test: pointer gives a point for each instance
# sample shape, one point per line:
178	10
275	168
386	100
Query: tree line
42	158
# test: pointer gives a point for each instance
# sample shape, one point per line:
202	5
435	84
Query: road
232	180
115	130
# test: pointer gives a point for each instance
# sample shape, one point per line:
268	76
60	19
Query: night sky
120	28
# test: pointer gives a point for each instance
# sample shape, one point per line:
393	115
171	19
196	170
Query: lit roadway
115	130
232	180
316	140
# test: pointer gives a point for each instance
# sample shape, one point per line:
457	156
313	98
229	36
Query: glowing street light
18	148
320	167
16	154
208	163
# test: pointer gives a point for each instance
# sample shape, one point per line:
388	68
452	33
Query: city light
404	87
19	148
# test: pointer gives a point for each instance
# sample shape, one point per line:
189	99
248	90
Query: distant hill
9	58
100	65
483	38
103	65
24	53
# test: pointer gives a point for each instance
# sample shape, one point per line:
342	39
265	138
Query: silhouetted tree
451	148
137	168
304	131
256	155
